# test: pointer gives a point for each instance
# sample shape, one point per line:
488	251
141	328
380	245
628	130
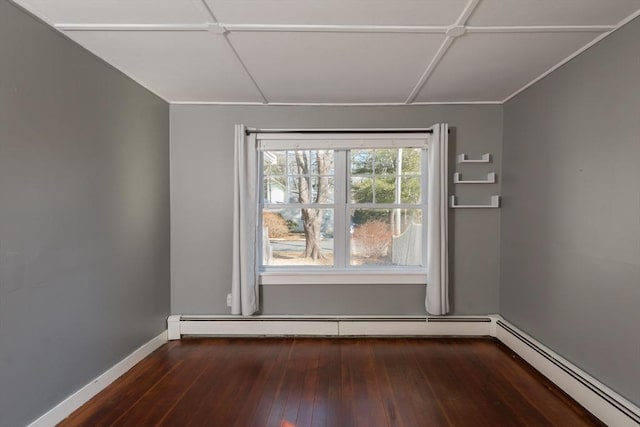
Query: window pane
361	162
386	161
274	162
321	162
386	237
322	189
298	189
361	190
275	189
306	189
410	190
284	242
385	190
310	162
297	162
411	161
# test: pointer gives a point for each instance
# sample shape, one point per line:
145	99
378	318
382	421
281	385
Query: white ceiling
335	51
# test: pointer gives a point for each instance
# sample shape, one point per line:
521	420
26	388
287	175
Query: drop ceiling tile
336	67
552	12
490	67
178	66
338	12
116	11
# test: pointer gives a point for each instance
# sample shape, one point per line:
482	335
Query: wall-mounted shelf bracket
495	203
486	158
491	179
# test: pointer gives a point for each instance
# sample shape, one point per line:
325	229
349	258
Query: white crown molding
573	55
132	27
541	29
334	104
35	12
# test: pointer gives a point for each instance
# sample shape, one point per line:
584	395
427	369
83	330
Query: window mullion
261	198
340	226
424	181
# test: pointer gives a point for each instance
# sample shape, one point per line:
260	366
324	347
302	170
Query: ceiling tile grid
335	51
469	70
180	66
338	12
335	67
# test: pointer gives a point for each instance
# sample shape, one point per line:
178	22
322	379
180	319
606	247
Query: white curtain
244	281
437	299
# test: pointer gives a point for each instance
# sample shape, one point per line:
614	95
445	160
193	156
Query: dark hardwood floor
301	382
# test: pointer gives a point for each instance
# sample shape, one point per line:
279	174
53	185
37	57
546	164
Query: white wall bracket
491	179
495	203
486	158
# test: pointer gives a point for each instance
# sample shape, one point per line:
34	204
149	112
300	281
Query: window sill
344	277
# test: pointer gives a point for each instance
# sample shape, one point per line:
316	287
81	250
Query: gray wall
202	143
570	271
84	216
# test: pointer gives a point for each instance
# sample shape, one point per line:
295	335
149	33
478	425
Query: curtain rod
311	131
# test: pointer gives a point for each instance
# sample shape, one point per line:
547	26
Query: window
352	206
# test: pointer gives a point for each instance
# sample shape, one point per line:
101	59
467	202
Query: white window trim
318	275
343	277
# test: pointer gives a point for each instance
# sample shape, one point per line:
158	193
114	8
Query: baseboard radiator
331	326
600	400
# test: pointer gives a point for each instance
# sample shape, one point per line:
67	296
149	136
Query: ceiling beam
453	32
211	17
429	70
246	70
467	12
334	28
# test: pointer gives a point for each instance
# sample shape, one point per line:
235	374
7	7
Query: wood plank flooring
333	382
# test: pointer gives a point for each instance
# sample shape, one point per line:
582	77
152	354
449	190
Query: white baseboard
597	398
63	409
329	326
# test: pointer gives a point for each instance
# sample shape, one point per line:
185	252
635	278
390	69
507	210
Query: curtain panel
244	281
437	298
